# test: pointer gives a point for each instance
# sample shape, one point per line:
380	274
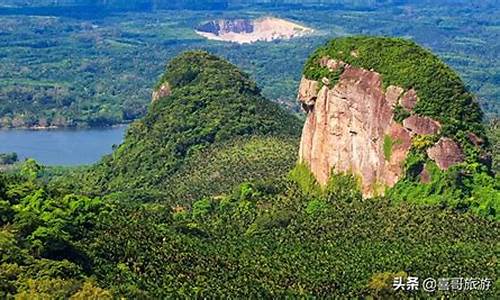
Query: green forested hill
199	202
211	103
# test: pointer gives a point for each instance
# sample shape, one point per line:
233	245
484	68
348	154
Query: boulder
424	176
409	100
308	93
163	91
393	93
421	125
446	153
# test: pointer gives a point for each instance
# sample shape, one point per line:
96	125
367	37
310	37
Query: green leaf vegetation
256	242
202	200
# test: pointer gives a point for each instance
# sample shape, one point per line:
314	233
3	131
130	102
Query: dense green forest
79	68
262	240
204	200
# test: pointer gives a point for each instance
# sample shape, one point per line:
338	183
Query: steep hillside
201	101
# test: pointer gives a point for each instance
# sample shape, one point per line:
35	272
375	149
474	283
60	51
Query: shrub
343	187
202	208
305	179
316	206
422	142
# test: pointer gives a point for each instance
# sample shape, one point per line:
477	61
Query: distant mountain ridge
224	4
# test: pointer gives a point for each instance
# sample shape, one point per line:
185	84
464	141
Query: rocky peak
364	114
348	128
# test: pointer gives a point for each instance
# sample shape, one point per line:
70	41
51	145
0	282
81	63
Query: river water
64	147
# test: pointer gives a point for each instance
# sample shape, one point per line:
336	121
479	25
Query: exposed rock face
446	153
163	91
248	30
393	93
220	27
347	126
421	125
409	100
308	93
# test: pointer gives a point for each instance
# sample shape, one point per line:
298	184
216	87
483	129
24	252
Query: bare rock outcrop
446	153
308	93
347	126
220	27
351	128
421	125
409	100
393	93
163	91
331	64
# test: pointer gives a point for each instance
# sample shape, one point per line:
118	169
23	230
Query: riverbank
48	128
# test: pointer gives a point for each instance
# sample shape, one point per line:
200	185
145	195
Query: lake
63	147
